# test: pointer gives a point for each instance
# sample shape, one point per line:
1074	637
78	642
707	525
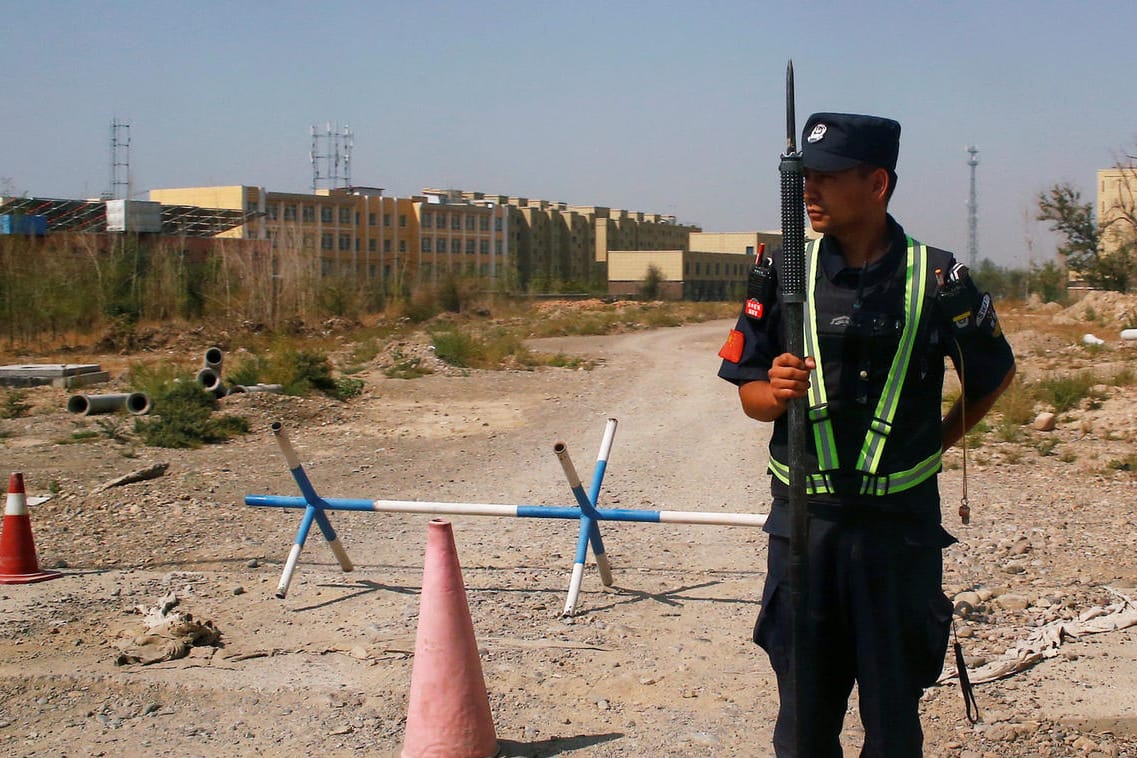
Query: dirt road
659	665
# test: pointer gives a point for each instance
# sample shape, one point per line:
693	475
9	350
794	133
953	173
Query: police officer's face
841	201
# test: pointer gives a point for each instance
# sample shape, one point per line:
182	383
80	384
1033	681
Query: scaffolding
331	157
120	161
972	211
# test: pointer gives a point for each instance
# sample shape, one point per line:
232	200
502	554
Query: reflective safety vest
867	479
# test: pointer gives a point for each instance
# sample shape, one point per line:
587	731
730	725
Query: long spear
792	276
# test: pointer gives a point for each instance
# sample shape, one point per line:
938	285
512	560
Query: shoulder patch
731	350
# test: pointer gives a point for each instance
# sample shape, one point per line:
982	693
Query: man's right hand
788	378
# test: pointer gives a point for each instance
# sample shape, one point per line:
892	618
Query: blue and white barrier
585	512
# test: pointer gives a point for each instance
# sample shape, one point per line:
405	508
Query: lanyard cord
970	704
964	505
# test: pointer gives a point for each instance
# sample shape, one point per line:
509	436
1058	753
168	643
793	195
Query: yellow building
684	275
392	241
1116	206
745	243
555	241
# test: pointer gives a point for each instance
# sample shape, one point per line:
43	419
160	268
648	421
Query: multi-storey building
555	241
1117	206
391	241
403	241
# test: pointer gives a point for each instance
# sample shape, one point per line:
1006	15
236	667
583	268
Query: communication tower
120	161
331	156
972	210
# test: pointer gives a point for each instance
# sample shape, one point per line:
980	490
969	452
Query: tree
650	284
1106	267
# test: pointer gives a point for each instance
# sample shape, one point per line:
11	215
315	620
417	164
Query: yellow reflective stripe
815	484
890	484
823	439
878	486
914	289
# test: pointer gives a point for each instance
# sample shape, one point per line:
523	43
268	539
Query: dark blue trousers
877	616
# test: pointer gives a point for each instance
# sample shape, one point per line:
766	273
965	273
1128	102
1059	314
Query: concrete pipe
1129	334
275	388
213	358
211	381
90	405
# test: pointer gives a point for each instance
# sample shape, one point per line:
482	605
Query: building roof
91	216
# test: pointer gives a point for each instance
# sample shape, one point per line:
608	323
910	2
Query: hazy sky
669	107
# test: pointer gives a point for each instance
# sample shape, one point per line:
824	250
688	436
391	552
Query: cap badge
817	134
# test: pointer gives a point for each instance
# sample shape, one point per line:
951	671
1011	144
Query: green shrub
454	347
1066	392
405	367
14	405
1016	404
182	417
1124	377
248	371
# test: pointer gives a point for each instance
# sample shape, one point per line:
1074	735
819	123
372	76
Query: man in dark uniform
882	311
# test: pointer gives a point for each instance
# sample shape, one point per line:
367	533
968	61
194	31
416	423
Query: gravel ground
660	664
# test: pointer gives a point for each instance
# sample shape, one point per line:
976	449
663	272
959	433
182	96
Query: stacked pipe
209	376
137	403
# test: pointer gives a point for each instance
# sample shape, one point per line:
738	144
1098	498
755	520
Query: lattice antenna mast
331	156
972	210
120	161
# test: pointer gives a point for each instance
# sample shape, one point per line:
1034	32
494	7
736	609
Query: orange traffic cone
18	563
448	713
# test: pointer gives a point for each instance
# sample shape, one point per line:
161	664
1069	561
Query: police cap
839	141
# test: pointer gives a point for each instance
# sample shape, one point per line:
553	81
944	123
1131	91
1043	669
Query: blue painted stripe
305	525
582	541
522	511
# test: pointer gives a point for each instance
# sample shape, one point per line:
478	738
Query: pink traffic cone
448	710
18	562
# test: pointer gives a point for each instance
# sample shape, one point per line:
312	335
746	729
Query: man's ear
881	183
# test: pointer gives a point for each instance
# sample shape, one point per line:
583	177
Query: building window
371	219
272	212
326	215
308	213
456	221
497	246
469	223
371	246
441	220
402	219
483	246
697	268
402	246
484	269
386	219
386	246
290	213
326	267
426	220
470	247
326	241
372	270
309	242
484	223
750	250
442	246
426	244
345	215
345	242
497	224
